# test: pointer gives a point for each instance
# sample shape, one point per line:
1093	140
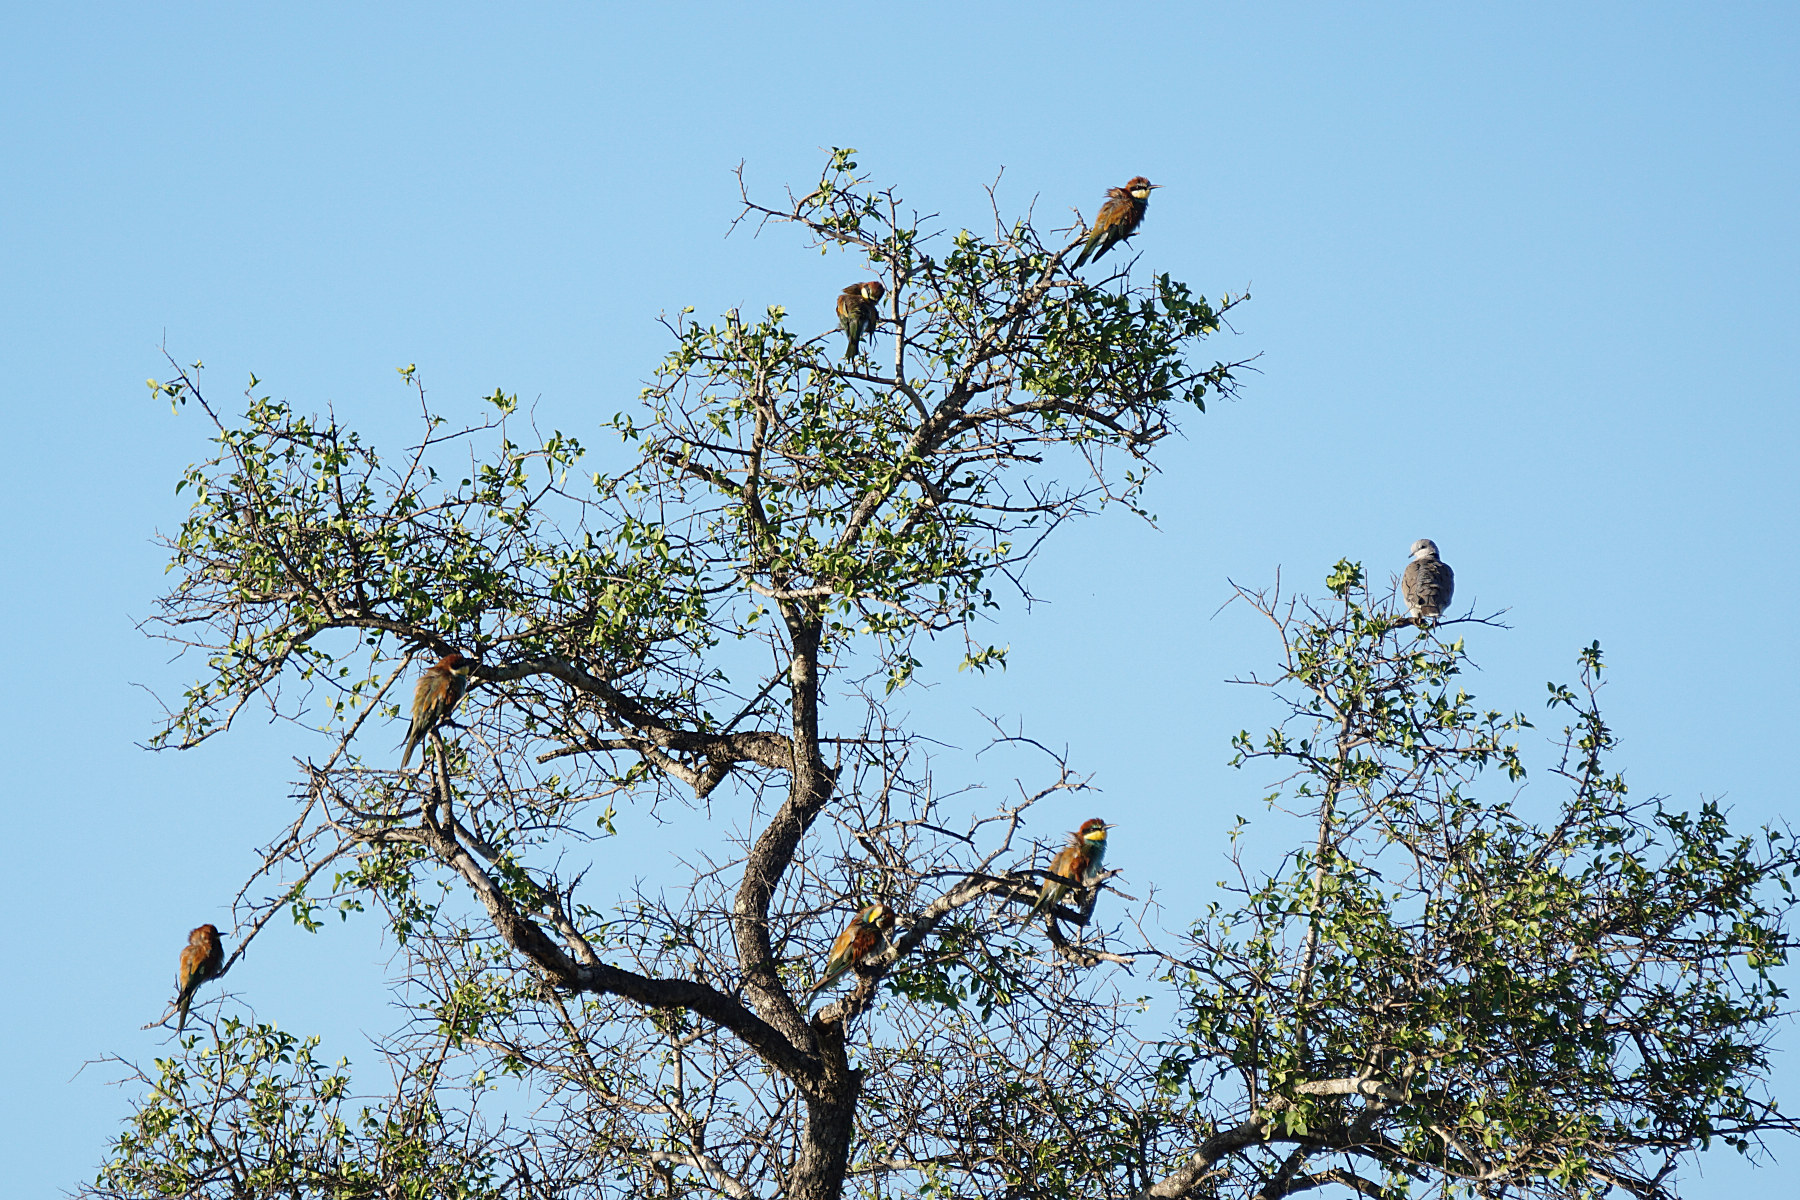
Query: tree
720	621
1442	991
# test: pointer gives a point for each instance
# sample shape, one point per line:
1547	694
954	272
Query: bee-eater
1118	218
857	313
201	959
1427	583
1079	860
864	932
440	688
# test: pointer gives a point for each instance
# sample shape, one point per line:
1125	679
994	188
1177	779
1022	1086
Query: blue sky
1524	281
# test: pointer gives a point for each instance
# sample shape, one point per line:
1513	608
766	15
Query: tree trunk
830	1123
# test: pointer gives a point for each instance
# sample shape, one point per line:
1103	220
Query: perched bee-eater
440	688
201	959
860	937
857	313
1118	218
1079	860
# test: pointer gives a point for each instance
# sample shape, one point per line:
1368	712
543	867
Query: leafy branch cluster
1436	991
1566	1000
717	618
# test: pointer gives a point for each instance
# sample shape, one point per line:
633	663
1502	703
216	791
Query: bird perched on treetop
857	313
1118	218
864	932
1427	582
1079	860
440	688
201	959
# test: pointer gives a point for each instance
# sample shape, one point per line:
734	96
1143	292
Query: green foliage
1561	997
667	617
1450	983
966	968
256	1114
298	527
758	471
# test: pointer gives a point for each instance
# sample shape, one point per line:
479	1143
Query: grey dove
1427	583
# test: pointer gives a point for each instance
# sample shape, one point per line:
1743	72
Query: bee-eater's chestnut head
879	915
456	662
872	290
206	933
1093	832
1140	188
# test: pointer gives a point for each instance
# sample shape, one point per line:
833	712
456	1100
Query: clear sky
1524	281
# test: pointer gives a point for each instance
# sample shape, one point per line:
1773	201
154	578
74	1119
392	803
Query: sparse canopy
1455	986
782	531
1443	989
